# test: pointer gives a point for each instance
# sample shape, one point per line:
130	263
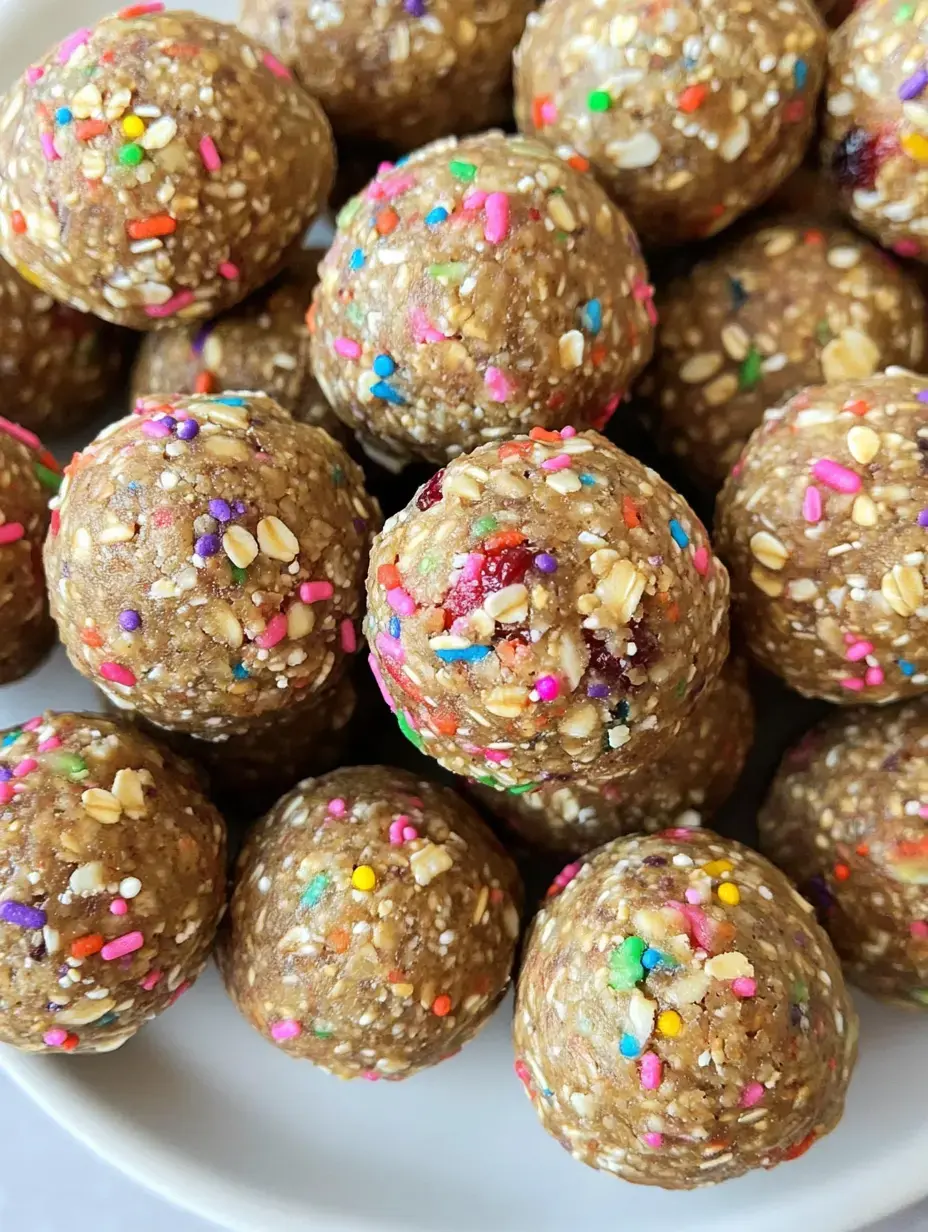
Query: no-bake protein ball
112	882
543	608
480	288
682	787
847	819
373	923
261	344
206	561
790	304
875	145
823	525
691	113
157	166
680	1017
399	71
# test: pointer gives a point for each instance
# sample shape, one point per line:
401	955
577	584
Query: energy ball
790	304
690	114
262	344
157	166
112	882
399	71
822	524
373	923
846	818
543	608
682	787
480	288
874	145
206	561
680	1017
29	477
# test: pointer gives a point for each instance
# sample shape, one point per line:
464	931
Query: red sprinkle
140	10
118	674
150	228
18	223
692	98
11	532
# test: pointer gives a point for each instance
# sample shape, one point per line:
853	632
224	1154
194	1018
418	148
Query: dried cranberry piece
431	492
858	156
613	671
504	568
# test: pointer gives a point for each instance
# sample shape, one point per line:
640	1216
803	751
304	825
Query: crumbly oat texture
847	819
691	113
29	477
112	882
261	344
373	923
206	561
822	524
682	787
680	1017
157	166
791	303
480	288
543	608
875	146
399	71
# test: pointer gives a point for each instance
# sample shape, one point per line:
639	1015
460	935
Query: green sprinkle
625	964
47	478
348	211
131	155
823	333
239	575
338	476
903	13
681	688
487	780
320	1033
410	732
70	765
354	313
484	526
920	995
107	1019
599	100
800	991
426	564
11	737
315	890
451	273
749	373
522	788
462	171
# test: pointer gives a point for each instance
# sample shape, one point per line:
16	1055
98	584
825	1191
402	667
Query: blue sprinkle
10	739
394	626
470	654
739	296
680	537
651	958
384	365
64	115
907	668
622	709
436	216
547	1092
591	316
800	73
356	260
401	162
629	1046
240	671
229	401
108	1018
587	479
689	62
134	486
382	390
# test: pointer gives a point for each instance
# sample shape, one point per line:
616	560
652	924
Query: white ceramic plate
202	1110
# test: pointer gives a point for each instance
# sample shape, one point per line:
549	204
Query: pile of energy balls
545	614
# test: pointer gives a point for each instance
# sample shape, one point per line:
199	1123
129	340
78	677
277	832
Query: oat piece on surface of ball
548	607
373	923
822	524
112	882
261	344
206	561
682	787
480	288
875	147
691	113
157	166
791	303
398	71
680	1017
846	819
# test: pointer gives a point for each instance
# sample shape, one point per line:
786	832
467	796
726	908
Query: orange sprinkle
542	434
387	221
339	940
513	449
496	895
205	383
444	722
83	947
630	513
181	51
857	406
441	1005
71	1042
692	98
389	576
396	976
842	872
18	223
90	637
598	353
539	106
150	228
86	130
311	318
862	849
503	539
801	1147
509	653
578	162
813	237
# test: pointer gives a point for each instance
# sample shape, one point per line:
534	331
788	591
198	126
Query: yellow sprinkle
729	893
715	868
916	146
669	1023
133	127
363	877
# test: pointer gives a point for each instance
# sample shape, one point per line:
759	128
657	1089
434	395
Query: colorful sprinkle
464	171
316	592
812	505
835	476
652	1071
678	534
68	46
117	674
364	878
22	915
752	1094
279	70
11	532
128	943
599	101
286	1029
496	209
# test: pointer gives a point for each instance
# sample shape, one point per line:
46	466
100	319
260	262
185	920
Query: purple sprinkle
238	508
545	562
207	545
220	509
5	774
129	619
922	395
360	525
597	690
415	8
22	915
923	517
188	429
170	421
199	341
914	85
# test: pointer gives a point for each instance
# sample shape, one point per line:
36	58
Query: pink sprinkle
906	248
549	116
55	1037
21	433
278	69
381	683
348	636
337	806
153	6
183	299
47	142
119	906
919	929
209	154
6	793
923	812
150	980
874	677
700	927
497	755
46	746
744	986
347	348
701	560
228	270
652	1071
11	532
68	46
547	688
835	476
693	895
128	943
475	199
859	650
401	831
370	1074
853	683
394	186
567	874
390	647
156	428
179	991
118	674
473	567
644	294
34	73
288	1029
568	432
496	227
32	724
812	505
26	766
653	1140
315	592
560	463
401	601
275	632
498	384
422	328
752	1094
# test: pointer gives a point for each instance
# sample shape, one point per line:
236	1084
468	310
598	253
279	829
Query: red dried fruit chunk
505	568
431	491
858	156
